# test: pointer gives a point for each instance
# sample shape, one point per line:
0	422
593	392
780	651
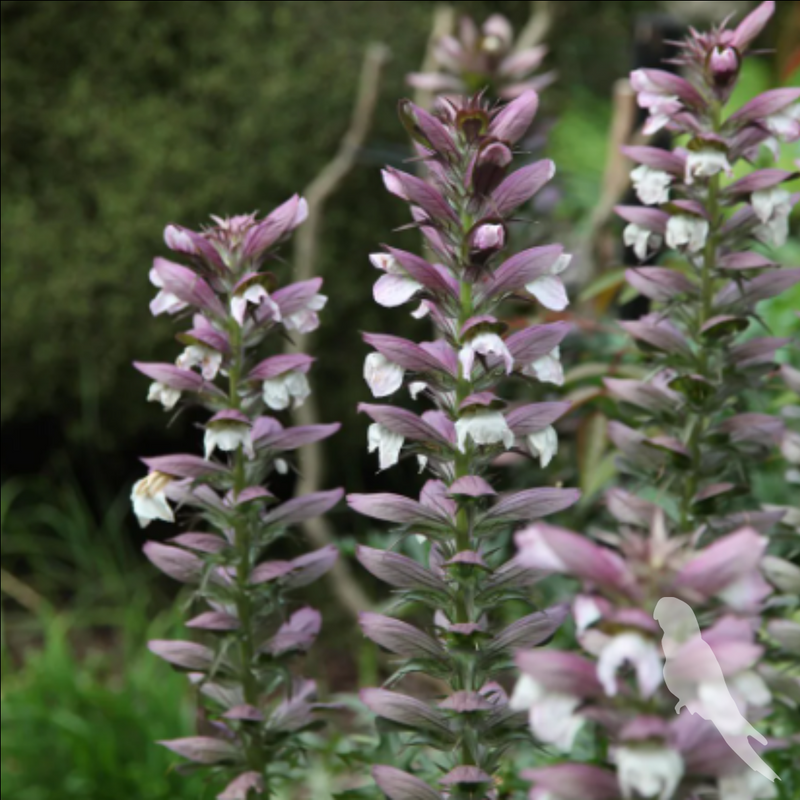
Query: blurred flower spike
485	58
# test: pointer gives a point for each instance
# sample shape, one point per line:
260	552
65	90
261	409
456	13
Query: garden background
121	116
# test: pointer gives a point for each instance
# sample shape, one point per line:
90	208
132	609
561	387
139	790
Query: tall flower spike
464	214
485	57
700	342
258	708
701	553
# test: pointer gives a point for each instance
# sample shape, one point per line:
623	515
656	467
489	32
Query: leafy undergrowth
80	722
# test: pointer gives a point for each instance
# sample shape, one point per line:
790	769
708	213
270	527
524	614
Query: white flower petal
773	208
209	360
649	772
769	202
149	499
416	389
548	369
562	264
652	185
644	655
388	443
706	164
554	721
785	125
526	693
485	344
689	232
165	395
550	292
307	319
228	437
544	445
392	291
383	377
586	612
166	303
642	240
423	311
484	428
276	394
286	390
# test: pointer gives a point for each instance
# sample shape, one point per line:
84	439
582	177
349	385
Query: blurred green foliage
80	719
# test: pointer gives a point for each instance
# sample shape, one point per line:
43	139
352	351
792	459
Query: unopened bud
724	64
490	237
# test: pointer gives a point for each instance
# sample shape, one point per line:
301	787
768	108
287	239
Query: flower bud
724	64
490	168
489	237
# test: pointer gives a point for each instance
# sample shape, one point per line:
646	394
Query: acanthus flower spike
674	590
257	706
488	56
470	202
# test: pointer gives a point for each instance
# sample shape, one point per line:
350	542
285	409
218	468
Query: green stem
701	421
243	544
464	390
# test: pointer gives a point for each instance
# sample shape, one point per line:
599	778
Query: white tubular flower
254	295
228	436
423	311
395	288
484	428
168	397
423	463
485	344
549	290
587	613
198	355
643	655
149	499
773	208
689	232
416	389
649	772
552	716
749	785
548	369
383	377
544	445
785	125
165	302
306	320
652	185
282	467
770	203
706	164
387	443
642	240
291	389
